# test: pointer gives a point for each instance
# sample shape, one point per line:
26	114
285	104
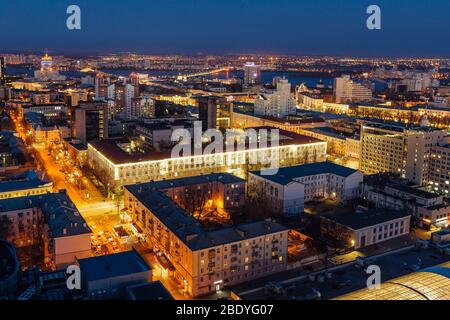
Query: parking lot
110	236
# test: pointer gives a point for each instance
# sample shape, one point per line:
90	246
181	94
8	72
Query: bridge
204	73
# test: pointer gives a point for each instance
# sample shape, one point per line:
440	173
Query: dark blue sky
322	27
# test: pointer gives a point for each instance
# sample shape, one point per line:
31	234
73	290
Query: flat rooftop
414	191
110	149
345	278
149	291
360	220
329	131
396	126
113	265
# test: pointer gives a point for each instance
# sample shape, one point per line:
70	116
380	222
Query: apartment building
52	215
439	178
116	165
205	259
90	121
429	209
155	134
346	90
49	111
278	104
291	187
310	101
24	185
400	149
242	120
217	191
339	143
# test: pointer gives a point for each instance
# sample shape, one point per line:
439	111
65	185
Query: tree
258	202
194	199
6	227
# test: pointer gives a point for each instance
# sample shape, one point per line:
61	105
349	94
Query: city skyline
247	150
237	27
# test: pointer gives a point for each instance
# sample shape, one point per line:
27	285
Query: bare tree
6	228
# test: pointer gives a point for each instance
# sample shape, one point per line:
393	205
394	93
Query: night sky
315	27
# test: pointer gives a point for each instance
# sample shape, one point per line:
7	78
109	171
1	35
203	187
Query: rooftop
345	278
360	220
432	283
110	149
113	265
22	183
149	291
201	179
333	133
396	126
414	191
287	174
62	217
185	226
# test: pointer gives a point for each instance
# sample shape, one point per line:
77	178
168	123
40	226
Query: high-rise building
347	90
91	121
399	149
252	73
440	169
214	112
141	107
2	72
279	103
206	259
101	86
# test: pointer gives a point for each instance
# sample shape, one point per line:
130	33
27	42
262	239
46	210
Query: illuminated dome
427	284
46	62
46	57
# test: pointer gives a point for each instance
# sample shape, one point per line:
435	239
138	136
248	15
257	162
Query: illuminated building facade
205	260
339	143
278	104
398	149
440	169
50	217
430	209
346	90
117	167
242	120
24	186
47	71
292	186
2	72
214	112
252	73
366	228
